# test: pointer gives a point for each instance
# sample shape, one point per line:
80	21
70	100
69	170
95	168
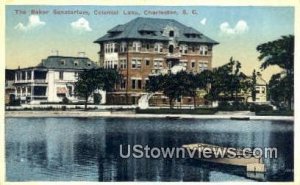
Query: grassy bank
202	111
274	113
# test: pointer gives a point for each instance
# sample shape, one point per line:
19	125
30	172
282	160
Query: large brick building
151	46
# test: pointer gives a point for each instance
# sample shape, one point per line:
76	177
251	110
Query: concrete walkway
130	114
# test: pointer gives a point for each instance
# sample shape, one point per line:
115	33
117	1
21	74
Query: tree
253	85
91	80
280	53
227	81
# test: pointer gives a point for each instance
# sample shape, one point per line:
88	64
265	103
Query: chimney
54	52
81	54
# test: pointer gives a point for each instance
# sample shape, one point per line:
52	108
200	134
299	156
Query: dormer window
171	33
62	62
109	48
158	47
203	50
89	64
136	46
123	47
183	49
75	62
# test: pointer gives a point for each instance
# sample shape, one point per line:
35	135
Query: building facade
261	91
50	81
151	46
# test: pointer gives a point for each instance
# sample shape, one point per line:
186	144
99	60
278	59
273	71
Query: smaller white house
52	80
261	91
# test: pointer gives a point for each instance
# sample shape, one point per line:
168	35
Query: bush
65	100
235	106
15	102
199	111
97	98
260	108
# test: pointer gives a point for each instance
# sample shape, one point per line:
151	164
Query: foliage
253	86
93	79
280	53
97	98
65	100
259	108
227	81
198	111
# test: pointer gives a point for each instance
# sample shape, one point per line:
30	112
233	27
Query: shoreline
128	114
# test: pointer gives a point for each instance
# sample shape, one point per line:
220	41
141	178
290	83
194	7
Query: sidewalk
129	114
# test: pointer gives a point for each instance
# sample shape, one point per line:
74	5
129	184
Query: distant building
151	46
9	85
261	91
51	80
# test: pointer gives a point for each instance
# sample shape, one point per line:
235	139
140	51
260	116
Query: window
193	64
123	63
158	64
136	46
89	64
139	82
28	75
183	49
76	74
123	47
147	46
171	33
147	62
61	75
136	63
133	84
123	84
110	48
203	50
136	84
263	90
158	47
171	49
203	65
62	62
75	62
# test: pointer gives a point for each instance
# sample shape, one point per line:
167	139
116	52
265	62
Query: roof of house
66	62
260	81
155	27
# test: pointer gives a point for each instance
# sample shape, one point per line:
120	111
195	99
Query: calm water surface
73	149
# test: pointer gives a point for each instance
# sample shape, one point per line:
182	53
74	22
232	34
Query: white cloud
33	22
81	24
203	21
240	28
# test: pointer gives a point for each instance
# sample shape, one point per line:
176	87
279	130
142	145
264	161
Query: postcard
149	93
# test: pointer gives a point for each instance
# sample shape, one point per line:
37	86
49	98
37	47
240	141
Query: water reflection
65	149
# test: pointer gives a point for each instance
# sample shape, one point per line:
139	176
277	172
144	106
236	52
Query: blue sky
30	38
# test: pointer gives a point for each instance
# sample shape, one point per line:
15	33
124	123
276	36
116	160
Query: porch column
32	75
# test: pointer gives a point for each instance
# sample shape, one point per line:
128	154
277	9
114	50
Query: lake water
76	149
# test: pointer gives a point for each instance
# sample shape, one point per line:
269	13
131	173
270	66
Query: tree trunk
170	102
86	101
194	98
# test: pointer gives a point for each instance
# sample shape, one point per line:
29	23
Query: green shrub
65	100
97	98
260	108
